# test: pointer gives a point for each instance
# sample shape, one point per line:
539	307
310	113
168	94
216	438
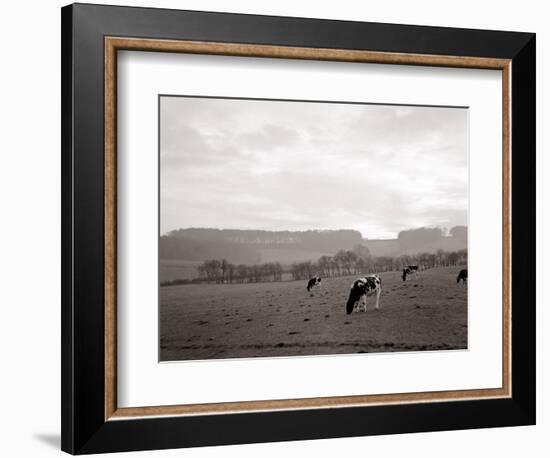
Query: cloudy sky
275	165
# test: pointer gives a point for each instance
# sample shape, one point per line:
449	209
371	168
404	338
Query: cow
361	288
409	270
315	281
462	275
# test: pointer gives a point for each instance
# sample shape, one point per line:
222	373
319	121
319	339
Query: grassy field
177	270
289	255
283	319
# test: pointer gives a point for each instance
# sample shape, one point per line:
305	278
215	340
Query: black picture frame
84	427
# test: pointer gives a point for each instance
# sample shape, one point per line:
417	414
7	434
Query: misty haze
311	228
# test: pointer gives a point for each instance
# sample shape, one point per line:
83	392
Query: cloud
272	165
270	137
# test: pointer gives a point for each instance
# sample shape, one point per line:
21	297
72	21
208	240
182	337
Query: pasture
175	269
206	321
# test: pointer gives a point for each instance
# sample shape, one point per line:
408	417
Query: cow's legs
378	291
365	303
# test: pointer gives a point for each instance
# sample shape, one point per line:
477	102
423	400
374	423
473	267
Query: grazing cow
361	288
409	270
462	275
315	281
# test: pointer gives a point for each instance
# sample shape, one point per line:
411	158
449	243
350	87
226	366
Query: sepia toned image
295	228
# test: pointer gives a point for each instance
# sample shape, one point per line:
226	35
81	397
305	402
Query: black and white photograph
275	229
294	228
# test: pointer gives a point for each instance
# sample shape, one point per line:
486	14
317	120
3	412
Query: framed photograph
282	228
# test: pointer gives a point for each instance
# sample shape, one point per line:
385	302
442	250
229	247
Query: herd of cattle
371	285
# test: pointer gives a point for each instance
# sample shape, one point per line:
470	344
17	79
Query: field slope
283	319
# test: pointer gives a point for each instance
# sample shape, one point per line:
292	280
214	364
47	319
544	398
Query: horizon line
316	230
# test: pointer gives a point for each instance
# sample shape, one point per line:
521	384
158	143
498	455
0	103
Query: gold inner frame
112	45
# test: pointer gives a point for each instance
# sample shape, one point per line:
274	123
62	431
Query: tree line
343	263
222	271
359	261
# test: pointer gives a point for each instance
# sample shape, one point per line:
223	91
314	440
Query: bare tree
230	272
223	268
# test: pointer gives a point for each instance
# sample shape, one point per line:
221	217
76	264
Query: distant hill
421	240
392	247
251	247
254	247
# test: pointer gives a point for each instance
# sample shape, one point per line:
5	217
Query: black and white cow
409	270
361	288
462	275
315	281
